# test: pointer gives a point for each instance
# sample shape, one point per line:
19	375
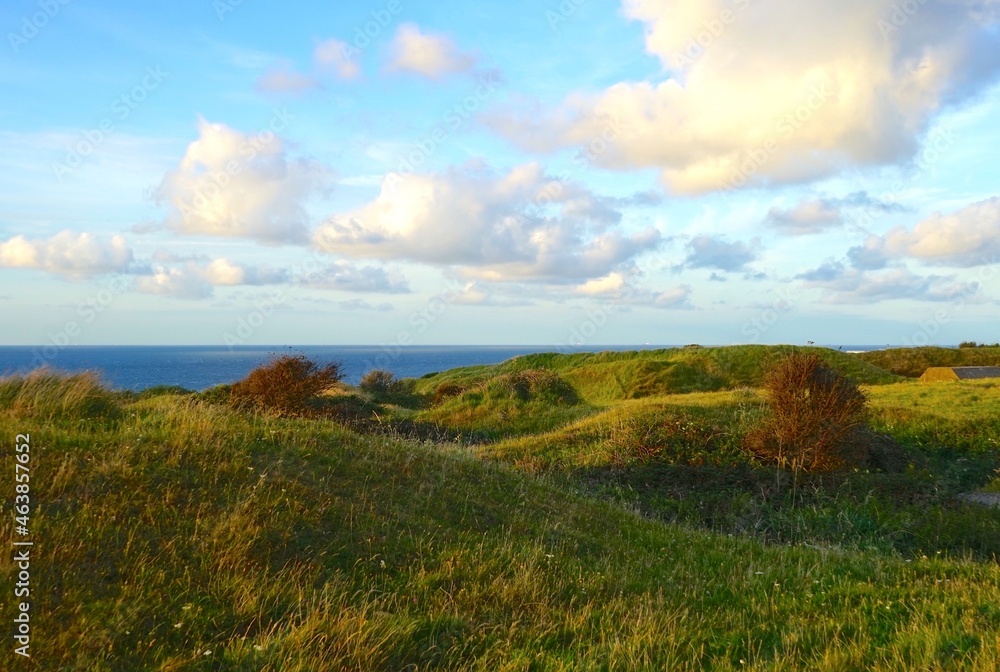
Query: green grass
614	376
174	533
912	362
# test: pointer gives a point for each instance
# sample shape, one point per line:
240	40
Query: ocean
197	367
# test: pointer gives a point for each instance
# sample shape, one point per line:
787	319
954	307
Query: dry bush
815	415
447	391
285	386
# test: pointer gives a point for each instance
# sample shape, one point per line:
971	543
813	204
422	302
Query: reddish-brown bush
814	418
285	386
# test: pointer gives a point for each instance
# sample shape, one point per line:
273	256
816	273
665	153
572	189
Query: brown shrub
814	415
447	391
285	386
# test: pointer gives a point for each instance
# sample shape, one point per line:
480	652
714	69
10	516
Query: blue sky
575	173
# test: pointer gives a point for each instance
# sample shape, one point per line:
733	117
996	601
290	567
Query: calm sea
200	367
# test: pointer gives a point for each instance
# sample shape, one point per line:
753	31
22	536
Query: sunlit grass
177	534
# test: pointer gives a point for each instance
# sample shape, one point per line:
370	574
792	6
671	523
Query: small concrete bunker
944	373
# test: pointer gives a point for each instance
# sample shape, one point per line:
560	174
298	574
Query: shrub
285	386
814	415
447	391
532	385
162	391
380	383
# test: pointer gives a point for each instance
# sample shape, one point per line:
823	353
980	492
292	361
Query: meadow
555	512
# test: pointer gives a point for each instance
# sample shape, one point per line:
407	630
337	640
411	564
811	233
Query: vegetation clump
286	386
814	414
384	387
48	394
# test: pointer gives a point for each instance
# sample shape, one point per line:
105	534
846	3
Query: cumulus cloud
343	276
487	294
519	226
966	238
718	253
816	215
612	283
335	57
285	79
807	217
845	284
180	283
782	93
431	56
241	186
196	277
68	253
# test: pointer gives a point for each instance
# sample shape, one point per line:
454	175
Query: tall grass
48	394
189	536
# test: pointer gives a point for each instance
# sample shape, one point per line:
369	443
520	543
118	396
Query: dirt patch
984	498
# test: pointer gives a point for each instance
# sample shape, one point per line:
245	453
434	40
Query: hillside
613	376
912	362
177	534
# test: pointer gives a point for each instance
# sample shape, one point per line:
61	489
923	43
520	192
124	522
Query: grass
912	362
606	377
177	533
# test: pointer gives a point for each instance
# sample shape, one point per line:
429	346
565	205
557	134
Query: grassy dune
177	534
912	362
613	376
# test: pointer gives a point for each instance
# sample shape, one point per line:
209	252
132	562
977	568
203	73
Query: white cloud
611	283
966	238
285	79
242	186
786	92
181	283
431	56
196	277
343	276
67	253
807	217
844	284
718	253
519	226
335	57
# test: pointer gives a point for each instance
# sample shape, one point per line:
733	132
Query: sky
574	173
